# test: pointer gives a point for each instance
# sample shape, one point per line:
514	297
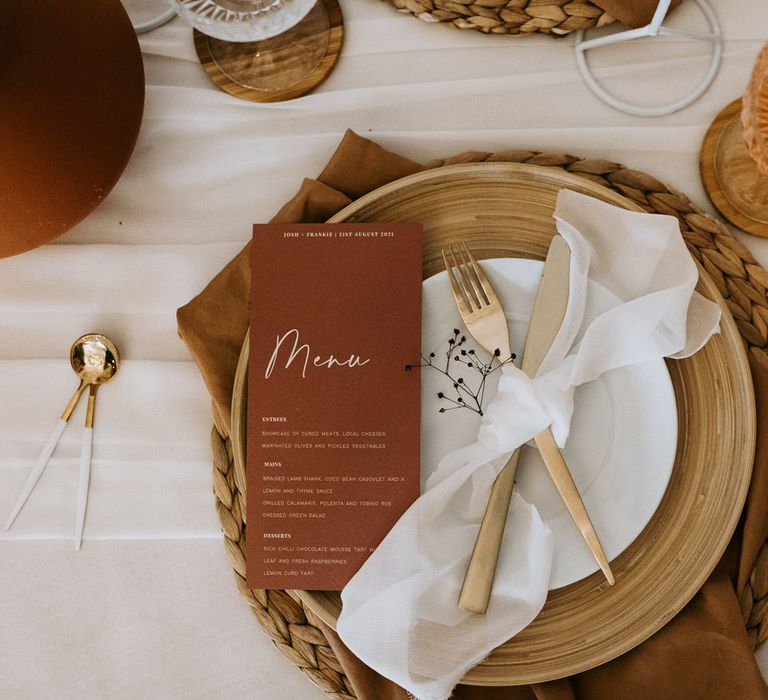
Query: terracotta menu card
333	415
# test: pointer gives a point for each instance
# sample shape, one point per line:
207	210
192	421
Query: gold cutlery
484	317
95	360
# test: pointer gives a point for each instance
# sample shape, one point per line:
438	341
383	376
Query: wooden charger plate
505	210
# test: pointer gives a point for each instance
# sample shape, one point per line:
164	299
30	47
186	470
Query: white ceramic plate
621	473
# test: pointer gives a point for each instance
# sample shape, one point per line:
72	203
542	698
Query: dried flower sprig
463	393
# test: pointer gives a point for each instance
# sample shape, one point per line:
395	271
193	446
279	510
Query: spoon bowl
95	358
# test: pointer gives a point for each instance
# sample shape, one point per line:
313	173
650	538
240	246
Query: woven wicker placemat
739	278
514	17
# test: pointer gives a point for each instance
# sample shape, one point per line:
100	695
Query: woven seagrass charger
738	277
513	17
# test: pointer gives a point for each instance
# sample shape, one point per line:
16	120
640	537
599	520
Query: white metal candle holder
654	29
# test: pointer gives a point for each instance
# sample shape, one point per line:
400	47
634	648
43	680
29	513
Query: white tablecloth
148	608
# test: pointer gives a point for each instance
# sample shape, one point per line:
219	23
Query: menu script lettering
303	352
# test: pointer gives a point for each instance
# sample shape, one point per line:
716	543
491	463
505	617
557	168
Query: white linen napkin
400	613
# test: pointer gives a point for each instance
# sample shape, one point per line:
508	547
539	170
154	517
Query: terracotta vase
71	102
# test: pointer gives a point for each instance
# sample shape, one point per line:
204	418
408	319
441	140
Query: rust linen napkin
702	654
633	13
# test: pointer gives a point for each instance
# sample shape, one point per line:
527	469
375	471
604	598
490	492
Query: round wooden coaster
282	67
731	177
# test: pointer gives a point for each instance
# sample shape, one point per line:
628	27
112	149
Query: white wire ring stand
655	28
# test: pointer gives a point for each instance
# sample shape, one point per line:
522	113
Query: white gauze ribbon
400	613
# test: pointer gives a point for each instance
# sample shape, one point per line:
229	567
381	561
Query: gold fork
484	318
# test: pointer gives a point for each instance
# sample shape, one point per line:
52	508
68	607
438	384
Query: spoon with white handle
95	359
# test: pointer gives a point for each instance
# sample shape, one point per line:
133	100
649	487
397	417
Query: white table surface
148	608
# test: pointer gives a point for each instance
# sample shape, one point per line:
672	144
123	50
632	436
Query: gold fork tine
482	280
469	288
458	291
471	303
477	288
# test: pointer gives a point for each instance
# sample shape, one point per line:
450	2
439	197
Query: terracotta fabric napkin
633	13
702	654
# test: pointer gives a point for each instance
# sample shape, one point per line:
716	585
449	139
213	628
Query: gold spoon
95	359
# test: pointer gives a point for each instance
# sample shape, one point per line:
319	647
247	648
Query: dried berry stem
457	352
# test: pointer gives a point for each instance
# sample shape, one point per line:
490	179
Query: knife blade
549	306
